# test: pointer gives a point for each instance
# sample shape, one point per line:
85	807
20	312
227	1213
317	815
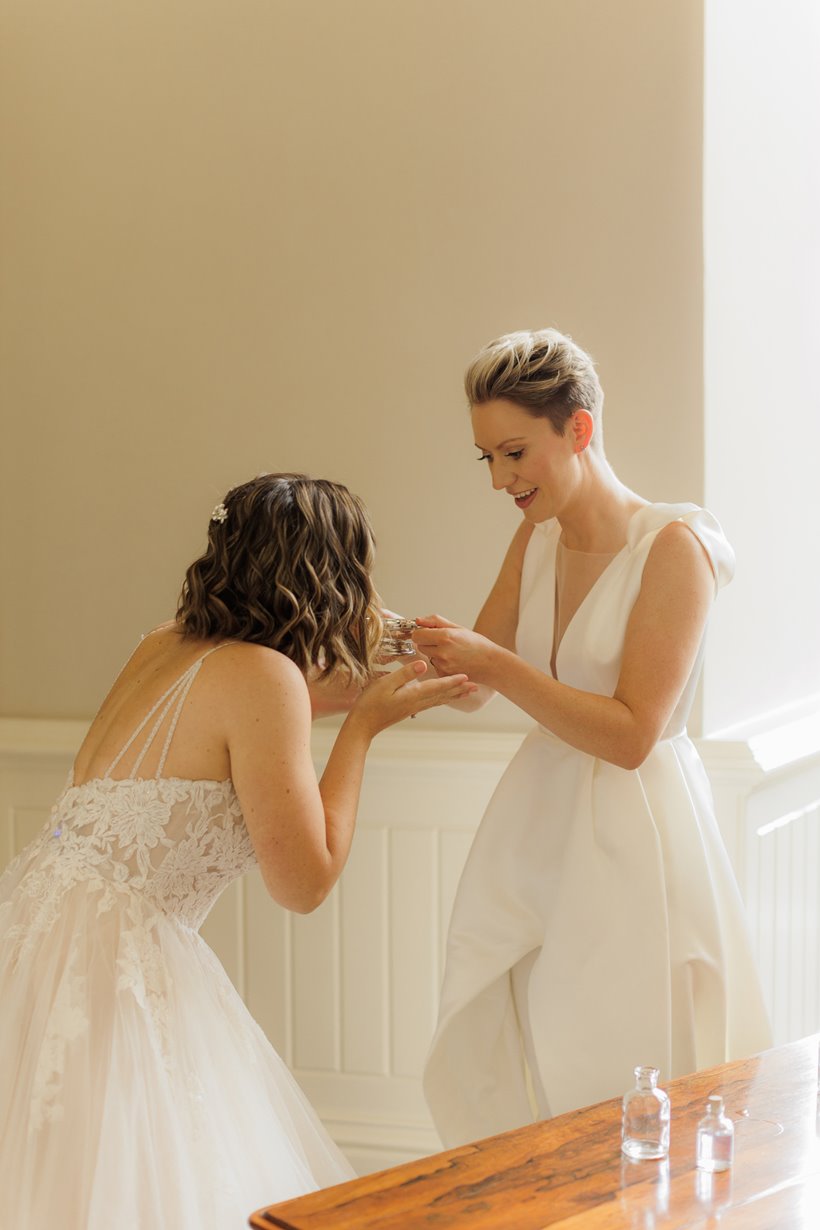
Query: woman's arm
497	619
301	829
662	640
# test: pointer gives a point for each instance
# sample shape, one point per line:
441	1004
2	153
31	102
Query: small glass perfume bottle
646	1113
397	636
715	1137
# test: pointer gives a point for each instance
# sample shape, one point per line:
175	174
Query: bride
134	1085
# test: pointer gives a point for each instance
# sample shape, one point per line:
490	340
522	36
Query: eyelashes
515	455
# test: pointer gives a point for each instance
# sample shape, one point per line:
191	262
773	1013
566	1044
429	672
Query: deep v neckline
555	649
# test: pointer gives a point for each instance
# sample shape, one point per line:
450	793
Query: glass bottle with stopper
645	1121
715	1137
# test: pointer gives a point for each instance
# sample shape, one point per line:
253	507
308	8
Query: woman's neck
597	517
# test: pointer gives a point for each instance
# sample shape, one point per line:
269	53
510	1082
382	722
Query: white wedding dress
597	924
135	1088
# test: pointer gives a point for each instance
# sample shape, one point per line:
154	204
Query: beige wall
268	234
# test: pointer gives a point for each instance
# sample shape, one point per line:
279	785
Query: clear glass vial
646	1113
715	1137
397	636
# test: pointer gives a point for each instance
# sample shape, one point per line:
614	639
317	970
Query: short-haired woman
134	1086
597	925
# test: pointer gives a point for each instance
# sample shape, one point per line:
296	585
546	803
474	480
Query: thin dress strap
176	695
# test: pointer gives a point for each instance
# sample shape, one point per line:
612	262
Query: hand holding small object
397	637
451	648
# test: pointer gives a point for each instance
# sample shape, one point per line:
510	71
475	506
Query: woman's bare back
198	750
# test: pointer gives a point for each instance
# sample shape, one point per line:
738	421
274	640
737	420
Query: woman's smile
523	499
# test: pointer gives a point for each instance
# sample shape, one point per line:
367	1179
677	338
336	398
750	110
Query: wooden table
568	1172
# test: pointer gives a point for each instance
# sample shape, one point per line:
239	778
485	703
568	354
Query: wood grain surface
569	1172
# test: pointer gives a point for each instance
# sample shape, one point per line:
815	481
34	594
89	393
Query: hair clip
220	513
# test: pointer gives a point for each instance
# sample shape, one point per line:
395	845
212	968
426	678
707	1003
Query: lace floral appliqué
124	861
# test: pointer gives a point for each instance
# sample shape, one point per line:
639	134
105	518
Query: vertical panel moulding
797	929
454	847
740	852
750	856
811	951
782	932
412	948
811	922
765	922
364	987
315	989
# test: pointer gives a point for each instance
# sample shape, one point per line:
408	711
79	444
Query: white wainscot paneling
348	994
766	783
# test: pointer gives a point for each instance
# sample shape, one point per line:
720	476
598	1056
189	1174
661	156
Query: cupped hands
404	692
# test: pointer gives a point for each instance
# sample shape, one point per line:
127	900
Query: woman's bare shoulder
245	658
677	546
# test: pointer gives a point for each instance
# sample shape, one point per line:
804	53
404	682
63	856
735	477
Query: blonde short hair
541	370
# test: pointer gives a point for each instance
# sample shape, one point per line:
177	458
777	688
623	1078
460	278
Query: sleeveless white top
616	880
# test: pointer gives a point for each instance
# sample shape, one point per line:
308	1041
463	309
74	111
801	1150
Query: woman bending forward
134	1086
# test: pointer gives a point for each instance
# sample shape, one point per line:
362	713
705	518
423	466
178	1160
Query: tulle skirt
135	1088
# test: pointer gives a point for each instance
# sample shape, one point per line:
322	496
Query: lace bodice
174	843
160	846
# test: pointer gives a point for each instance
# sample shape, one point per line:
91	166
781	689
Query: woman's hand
404	693
451	648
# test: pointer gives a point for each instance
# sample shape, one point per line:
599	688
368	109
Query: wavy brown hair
289	567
